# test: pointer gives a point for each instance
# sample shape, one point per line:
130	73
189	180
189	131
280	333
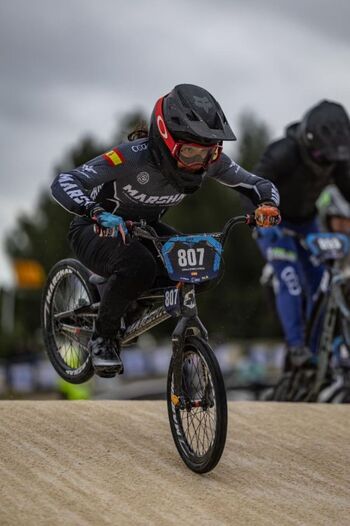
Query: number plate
192	258
172	300
328	246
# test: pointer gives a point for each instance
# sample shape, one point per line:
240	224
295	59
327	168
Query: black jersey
298	178
126	181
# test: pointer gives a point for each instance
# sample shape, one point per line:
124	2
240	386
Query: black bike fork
188	325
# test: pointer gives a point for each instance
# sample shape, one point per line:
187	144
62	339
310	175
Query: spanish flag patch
114	157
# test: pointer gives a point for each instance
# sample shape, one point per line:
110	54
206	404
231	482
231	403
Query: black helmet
325	132
192	114
187	115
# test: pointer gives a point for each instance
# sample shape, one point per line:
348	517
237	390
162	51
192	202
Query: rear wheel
198	411
67	321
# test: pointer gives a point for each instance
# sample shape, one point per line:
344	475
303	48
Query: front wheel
198	410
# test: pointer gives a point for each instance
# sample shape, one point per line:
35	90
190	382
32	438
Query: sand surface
114	462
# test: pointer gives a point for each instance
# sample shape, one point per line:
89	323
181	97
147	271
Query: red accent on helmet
175	147
162	128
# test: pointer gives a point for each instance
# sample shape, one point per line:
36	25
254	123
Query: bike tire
280	392
202	456
68	287
316	333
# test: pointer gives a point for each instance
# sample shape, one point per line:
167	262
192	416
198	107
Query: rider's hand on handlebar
108	225
267	215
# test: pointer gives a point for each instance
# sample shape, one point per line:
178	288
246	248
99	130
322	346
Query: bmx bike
196	396
326	377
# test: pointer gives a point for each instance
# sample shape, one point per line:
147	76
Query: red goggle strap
163	130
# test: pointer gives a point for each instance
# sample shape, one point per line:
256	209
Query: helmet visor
197	156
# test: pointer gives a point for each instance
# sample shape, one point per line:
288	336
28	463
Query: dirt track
106	462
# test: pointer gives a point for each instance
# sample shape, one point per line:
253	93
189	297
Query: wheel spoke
198	423
69	295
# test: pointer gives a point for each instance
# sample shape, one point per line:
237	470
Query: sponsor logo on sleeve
88	168
114	157
234	165
66	182
139	147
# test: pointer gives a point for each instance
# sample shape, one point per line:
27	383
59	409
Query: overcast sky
71	67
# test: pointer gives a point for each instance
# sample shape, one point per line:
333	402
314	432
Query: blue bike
326	377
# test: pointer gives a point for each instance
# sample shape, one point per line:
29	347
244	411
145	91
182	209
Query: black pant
131	269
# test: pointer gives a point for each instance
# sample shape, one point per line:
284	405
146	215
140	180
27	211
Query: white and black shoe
105	356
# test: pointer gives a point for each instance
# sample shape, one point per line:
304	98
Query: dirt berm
108	462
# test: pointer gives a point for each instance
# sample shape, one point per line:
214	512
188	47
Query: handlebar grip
102	231
250	219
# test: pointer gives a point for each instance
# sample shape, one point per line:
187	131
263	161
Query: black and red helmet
187	129
190	115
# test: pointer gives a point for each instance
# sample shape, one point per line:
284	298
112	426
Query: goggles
189	155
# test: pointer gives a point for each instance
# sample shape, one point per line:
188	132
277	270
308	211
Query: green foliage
236	307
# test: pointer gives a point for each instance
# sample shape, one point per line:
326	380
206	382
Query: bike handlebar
143	230
248	219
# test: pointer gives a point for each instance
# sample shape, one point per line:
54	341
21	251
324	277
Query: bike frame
189	323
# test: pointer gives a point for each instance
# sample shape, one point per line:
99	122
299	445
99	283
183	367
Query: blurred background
76	76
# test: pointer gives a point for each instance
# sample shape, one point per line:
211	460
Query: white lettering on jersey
72	190
152	199
95	191
234	165
88	168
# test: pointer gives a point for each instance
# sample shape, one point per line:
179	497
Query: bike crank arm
85	310
72	330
